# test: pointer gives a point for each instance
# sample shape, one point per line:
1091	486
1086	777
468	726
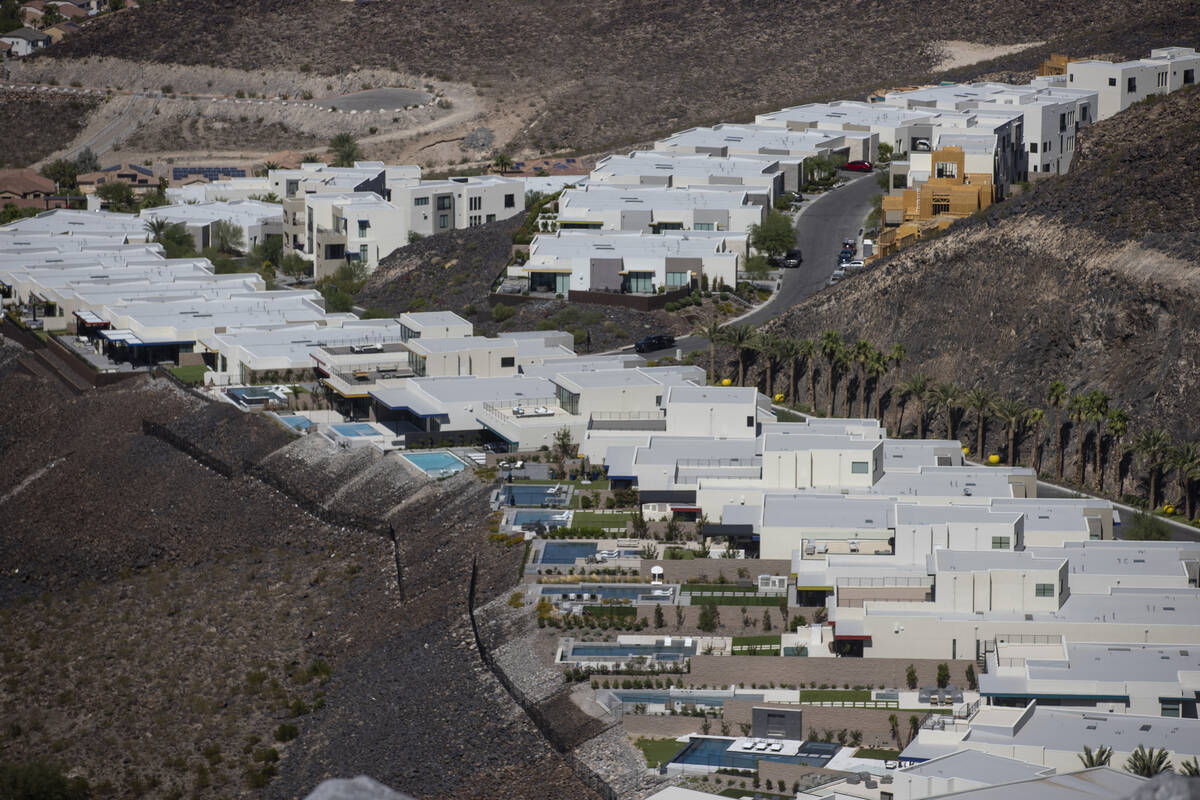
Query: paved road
827	220
1179	531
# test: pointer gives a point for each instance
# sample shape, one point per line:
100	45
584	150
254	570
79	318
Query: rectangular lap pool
296	421
583	651
436	464
564	552
714	752
536	495
354	429
611	592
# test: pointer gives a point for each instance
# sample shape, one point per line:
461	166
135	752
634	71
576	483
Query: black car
845	255
652	343
792	259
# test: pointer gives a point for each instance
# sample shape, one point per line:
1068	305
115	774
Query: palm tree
876	368
1056	398
1189	768
1012	412
945	397
979	400
860	354
502	162
156	227
741	339
1097	412
1185	460
831	347
807	351
1095	758
1118	427
1153	446
1077	412
710	330
915	387
1148	763
767	344
897	356
1035	417
787	350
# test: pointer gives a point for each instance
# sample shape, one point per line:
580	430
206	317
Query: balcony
628	421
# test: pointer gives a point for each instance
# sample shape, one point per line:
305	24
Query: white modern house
654	210
902	129
253	219
654	168
615	261
1119	85
466	202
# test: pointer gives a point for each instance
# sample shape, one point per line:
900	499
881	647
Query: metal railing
623	415
884	582
1027	638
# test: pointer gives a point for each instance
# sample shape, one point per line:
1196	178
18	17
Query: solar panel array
212	173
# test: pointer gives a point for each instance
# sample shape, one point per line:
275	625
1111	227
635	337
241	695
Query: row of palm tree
1143	762
863	366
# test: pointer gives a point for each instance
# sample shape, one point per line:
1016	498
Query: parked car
851	245
792	259
657	342
922	145
845	255
858	166
856	265
838	275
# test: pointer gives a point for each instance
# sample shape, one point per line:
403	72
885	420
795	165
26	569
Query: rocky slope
1091	278
169	628
588	75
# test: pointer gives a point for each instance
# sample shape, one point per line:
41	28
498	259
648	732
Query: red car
858	166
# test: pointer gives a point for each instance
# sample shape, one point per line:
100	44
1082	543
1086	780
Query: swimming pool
663	696
563	552
608	591
353	429
437	464
296	421
714	752
536	495
551	519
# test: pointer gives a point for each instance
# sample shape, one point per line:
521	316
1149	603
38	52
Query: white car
856	265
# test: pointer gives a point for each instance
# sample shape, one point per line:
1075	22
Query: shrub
501	312
286	732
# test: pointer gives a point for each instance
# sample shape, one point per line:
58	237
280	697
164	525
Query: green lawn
826	695
192	374
678	554
751	792
590	519
873	752
598	485
755	641
658	751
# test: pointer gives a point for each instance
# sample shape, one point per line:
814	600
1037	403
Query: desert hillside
588	75
1091	278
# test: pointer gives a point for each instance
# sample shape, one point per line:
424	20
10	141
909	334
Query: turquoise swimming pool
353	429
437	464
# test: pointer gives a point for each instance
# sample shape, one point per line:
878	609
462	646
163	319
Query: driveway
820	229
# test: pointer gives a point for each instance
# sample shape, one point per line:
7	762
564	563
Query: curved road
820	229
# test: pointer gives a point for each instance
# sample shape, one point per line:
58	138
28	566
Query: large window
443	220
1189	76
364	251
947	169
703	226
363	226
508	361
675	279
1033	147
1131	85
474	219
941	206
420	201
1001	542
639	282
859	467
509	201
474	203
444	202
568	400
491	218
1044	590
1112	81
